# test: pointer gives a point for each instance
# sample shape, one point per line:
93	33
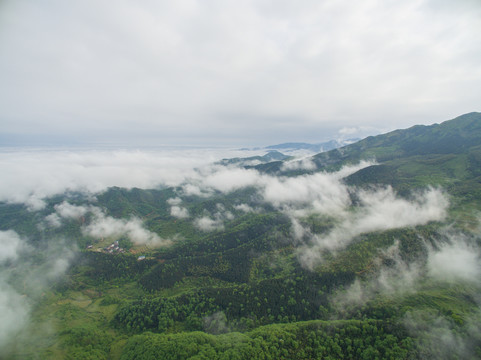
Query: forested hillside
370	251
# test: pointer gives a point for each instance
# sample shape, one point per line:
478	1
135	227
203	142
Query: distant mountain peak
315	148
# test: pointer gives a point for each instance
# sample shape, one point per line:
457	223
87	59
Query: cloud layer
24	275
102	226
224	72
30	176
454	258
455	261
321	194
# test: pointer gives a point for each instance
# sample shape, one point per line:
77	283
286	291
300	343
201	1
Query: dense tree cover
450	137
232	265
101	267
302	297
127	202
225	255
259	282
255	230
241	292
311	340
87	343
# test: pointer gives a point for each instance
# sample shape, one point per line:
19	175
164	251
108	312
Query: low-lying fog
30	177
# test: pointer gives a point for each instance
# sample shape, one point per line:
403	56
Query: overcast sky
222	72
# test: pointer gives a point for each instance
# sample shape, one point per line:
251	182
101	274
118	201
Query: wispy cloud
378	209
24	275
11	244
305	163
103	226
34	176
15	310
451	257
440	338
455	261
245	208
214	222
176	210
31	176
206	223
398	279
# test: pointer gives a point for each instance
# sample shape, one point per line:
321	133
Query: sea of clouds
30	177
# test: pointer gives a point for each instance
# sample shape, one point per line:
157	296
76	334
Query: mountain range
366	251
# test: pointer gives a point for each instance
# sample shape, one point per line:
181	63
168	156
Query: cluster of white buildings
114	248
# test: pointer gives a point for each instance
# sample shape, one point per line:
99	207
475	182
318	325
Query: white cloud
298	67
179	212
299	164
194	190
440	338
176	210
21	288
47	173
379	209
205	223
31	176
14	313
174	201
400	280
105	226
213	222
35	202
69	211
230	179
53	220
222	212
383	209
65	210
323	193
245	208
455	261
10	245
396	280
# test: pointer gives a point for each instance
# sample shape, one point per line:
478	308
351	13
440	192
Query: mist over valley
250	179
113	253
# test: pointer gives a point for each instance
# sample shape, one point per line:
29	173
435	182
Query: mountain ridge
313	266
455	135
458	136
317	147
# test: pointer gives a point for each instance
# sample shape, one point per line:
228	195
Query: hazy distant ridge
318	147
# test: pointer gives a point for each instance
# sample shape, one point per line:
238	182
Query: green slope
455	136
241	292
